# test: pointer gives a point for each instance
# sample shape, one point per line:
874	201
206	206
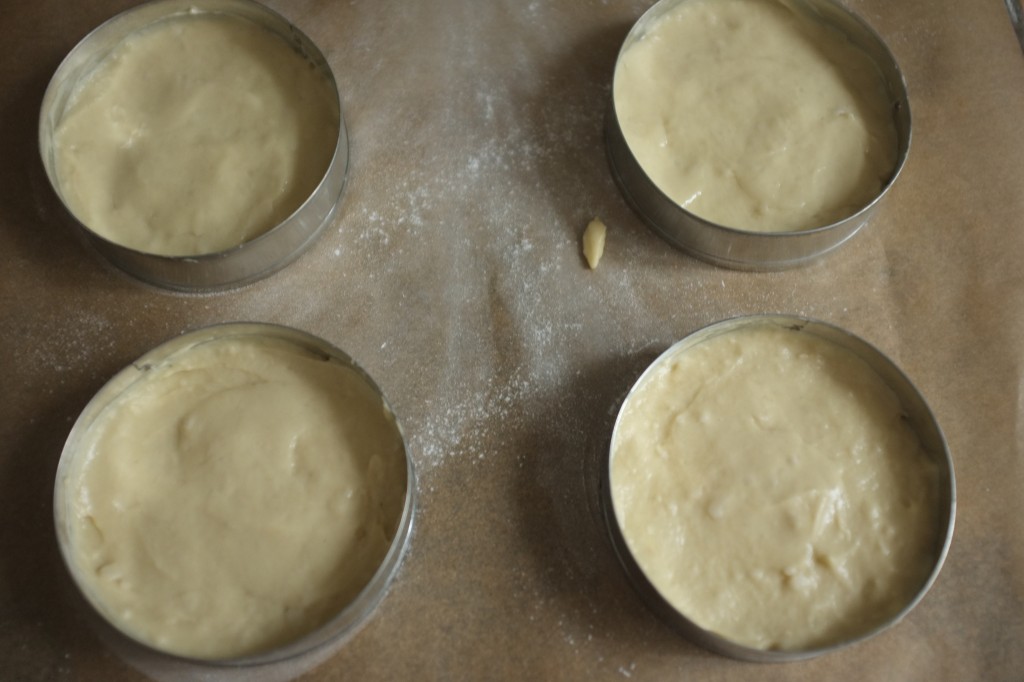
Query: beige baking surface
453	273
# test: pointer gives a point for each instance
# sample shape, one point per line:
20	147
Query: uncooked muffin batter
754	116
234	498
196	134
771	491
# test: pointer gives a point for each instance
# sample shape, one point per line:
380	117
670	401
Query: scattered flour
457	235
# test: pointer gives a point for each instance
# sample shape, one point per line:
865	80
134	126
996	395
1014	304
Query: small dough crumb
593	242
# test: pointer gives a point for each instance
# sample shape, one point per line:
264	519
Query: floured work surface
453	274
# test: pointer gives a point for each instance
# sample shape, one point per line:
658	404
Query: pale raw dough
196	134
754	116
593	242
771	491
234	498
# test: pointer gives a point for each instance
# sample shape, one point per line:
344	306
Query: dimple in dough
769	488
752	115
196	134
235	498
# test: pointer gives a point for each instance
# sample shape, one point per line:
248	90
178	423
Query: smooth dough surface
770	489
196	134
234	498
754	116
